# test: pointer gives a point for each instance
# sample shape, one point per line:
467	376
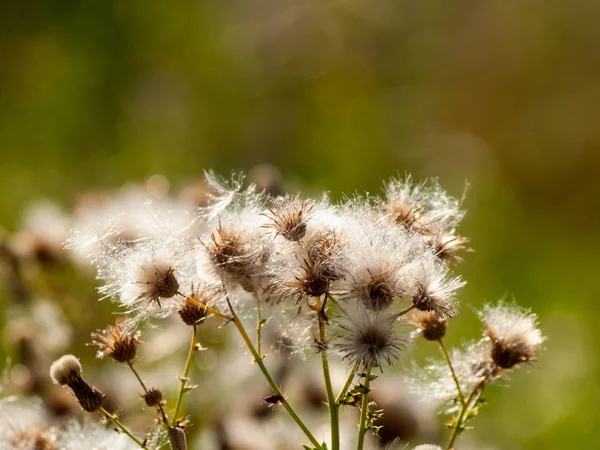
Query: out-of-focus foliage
339	95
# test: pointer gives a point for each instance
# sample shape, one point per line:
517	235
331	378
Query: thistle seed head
513	333
429	325
367	338
157	281
117	342
289	218
65	370
192	314
153	397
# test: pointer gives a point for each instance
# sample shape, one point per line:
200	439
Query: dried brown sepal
289	218
446	245
153	397
425	301
190	312
509	353
429	325
380	293
117	342
88	397
159	281
323	250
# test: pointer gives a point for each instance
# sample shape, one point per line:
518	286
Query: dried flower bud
445	245
117	342
323	250
153	397
67	371
429	325
289	217
191	313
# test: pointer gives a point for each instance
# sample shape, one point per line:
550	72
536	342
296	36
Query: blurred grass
340	95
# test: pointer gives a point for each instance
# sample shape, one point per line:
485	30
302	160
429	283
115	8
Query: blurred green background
340	95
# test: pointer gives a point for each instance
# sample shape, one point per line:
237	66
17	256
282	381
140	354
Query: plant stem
463	410
238	323
240	327
159	407
331	401
186	370
344	390
258	329
362	430
116	422
406	311
461	398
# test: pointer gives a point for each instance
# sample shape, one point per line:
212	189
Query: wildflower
66	371
427	447
367	338
429	325
513	333
117	342
435	290
289	218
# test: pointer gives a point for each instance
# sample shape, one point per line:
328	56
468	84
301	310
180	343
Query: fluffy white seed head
513	332
428	447
435	289
368	338
65	370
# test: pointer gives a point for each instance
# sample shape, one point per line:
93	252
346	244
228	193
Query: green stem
362	430
331	400
258	329
407	310
464	408
344	390
116	422
461	398
186	370
159	407
236	320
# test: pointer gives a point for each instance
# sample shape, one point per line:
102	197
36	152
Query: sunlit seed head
446	245
367	338
379	291
429	325
65	370
117	342
155	281
425	300
323	250
289	218
513	333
